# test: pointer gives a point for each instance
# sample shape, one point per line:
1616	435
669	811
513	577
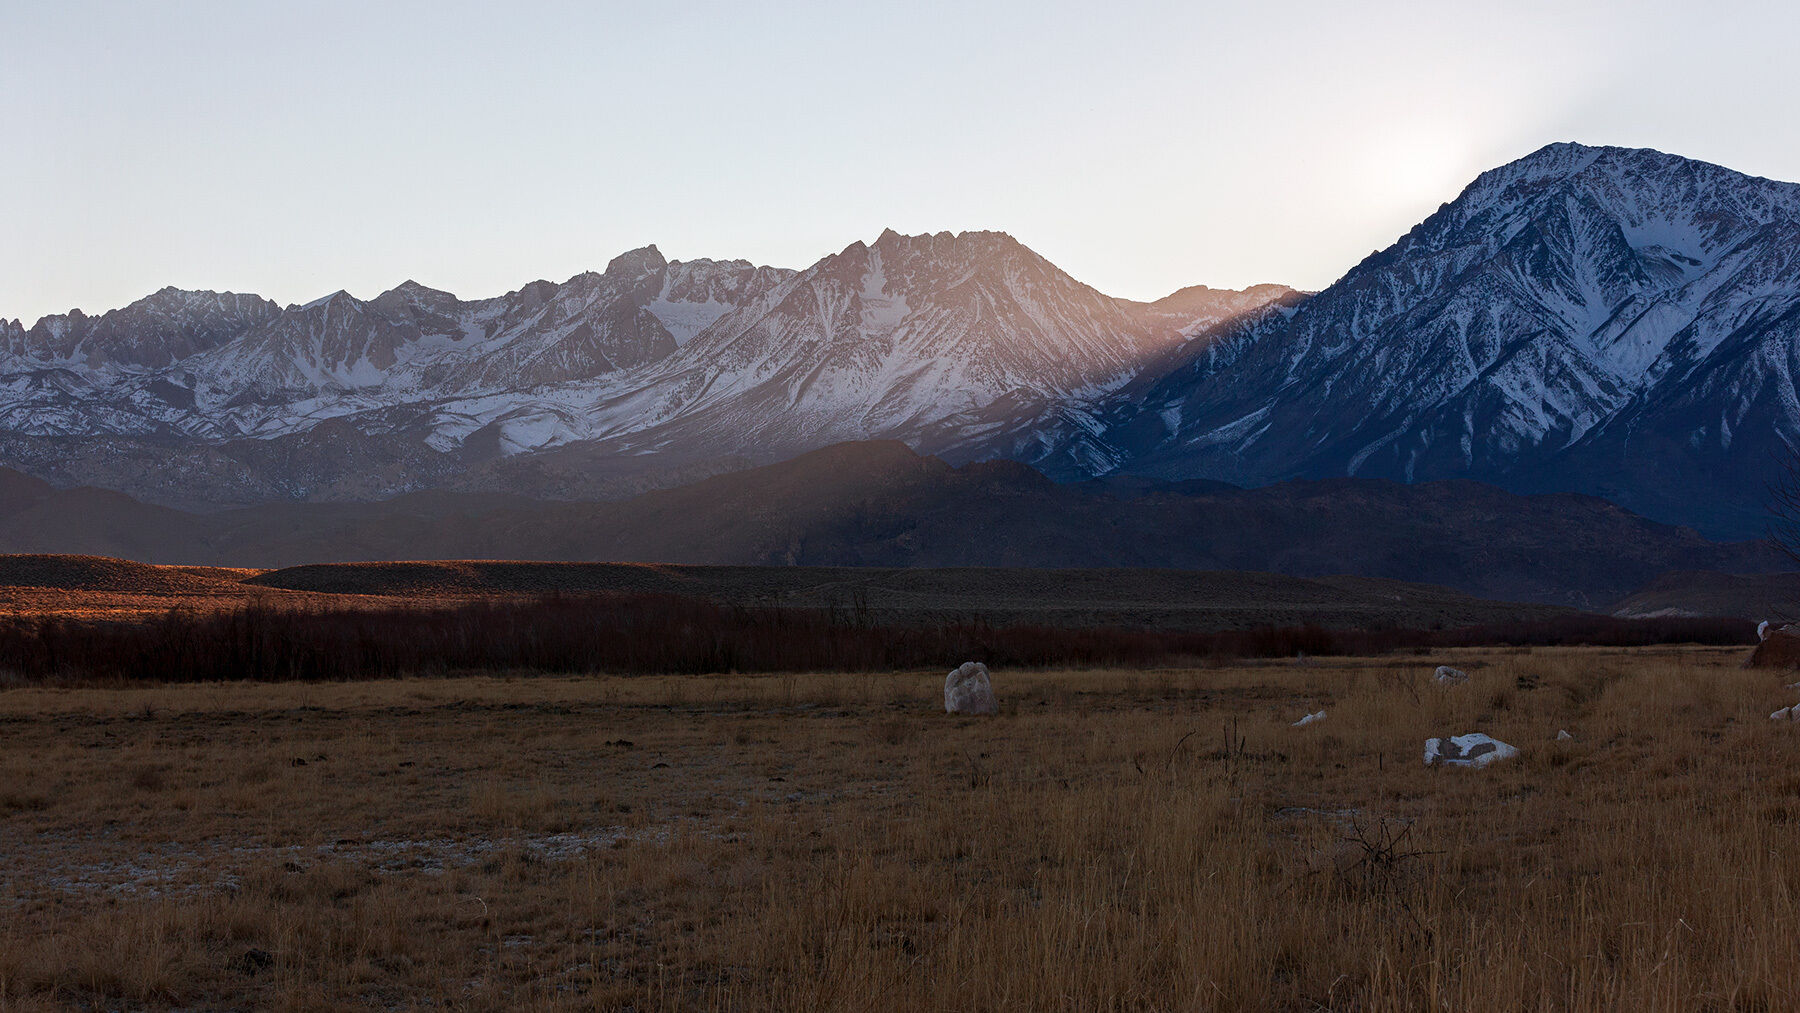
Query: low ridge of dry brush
631	634
1112	839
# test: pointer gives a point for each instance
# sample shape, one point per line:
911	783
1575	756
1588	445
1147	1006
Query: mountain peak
1628	178
326	300
1548	165
168	295
410	292
890	239
635	263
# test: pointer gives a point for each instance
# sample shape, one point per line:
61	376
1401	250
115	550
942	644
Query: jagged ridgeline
1610	321
649	372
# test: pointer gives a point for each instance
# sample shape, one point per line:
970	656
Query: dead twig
1177	750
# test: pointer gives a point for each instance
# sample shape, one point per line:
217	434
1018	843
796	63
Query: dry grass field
99	589
1112	840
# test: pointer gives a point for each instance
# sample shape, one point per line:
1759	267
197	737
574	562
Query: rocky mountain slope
155	331
1614	321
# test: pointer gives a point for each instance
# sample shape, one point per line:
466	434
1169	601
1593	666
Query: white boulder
1471	750
1786	714
1762	630
1309	719
1447	676
1564	736
968	691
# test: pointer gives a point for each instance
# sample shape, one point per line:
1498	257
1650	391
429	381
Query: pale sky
292	149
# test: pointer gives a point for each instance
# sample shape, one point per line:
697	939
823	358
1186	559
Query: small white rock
1786	714
1472	750
967	690
1762	630
1564	736
1309	719
1447	676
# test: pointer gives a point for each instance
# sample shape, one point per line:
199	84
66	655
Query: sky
296	149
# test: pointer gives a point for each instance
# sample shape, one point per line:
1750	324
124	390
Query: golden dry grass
102	589
1112	840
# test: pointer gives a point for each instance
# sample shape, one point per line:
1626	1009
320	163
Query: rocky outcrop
967	690
1779	648
1475	749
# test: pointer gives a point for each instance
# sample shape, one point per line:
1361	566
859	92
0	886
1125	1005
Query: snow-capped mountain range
1613	321
947	341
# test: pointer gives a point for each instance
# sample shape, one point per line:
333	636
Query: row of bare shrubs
643	634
